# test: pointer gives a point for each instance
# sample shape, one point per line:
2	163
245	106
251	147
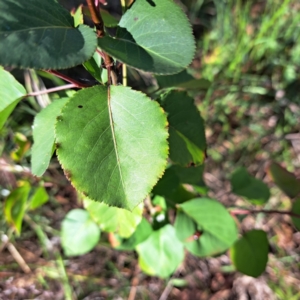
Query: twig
242	211
99	24
15	254
52	90
96	17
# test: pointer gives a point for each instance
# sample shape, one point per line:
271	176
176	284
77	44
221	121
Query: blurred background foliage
250	51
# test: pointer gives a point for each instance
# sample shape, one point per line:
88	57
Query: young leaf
40	34
39	197
217	227
44	136
15	206
154	36
79	233
250	253
11	92
112	144
182	80
186	128
141	233
113	219
296	210
245	185
285	180
161	253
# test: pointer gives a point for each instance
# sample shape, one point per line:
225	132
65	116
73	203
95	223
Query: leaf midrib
114	140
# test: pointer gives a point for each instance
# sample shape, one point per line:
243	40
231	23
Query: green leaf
39	197
182	80
11	92
15	206
285	180
245	185
79	233
112	148
44	136
93	66
186	128
154	36
250	253
192	175
161	253
217	227
78	16
141	233
296	210
40	34
113	219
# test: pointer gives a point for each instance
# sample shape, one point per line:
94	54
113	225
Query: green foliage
161	253
250	253
141	45
114	143
114	219
296	210
79	232
47	41
285	180
254	190
11	92
182	80
44	136
209	218
186	129
15	207
102	149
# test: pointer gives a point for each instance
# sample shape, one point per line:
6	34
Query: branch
96	17
99	24
242	211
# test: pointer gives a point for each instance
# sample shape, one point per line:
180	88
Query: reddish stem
69	79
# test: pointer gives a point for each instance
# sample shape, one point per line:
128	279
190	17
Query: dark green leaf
112	147
154	36
191	175
40	34
161	253
217	227
296	210
15	206
250	253
79	233
245	185
285	180
186	128
182	80
113	219
44	136
11	92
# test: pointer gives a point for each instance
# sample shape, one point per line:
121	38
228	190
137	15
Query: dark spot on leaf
68	174
59	118
57	145
80	106
151	3
135	19
191	164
